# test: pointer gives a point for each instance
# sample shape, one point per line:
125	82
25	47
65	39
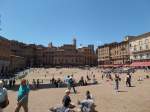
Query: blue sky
58	21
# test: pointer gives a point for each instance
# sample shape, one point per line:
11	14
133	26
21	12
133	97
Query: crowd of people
9	83
86	105
23	94
117	78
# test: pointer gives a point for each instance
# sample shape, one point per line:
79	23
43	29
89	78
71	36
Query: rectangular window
146	41
135	56
147	55
135	48
141	56
147	47
140	48
140	42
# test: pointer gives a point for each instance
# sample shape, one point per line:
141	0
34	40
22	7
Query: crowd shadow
121	91
132	86
46	86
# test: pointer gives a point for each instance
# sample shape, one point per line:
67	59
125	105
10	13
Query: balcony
141	51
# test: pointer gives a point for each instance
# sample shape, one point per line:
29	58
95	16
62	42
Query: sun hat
67	91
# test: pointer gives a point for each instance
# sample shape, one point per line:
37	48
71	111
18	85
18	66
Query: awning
140	64
106	65
116	65
111	65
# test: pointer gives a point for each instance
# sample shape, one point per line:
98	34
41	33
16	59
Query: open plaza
74	56
106	98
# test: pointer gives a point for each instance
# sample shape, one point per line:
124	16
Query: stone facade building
140	48
21	55
120	53
68	55
104	54
4	55
90	56
16	56
132	49
114	54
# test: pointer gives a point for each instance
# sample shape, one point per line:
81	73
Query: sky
59	21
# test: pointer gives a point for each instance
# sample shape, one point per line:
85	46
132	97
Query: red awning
140	64
115	65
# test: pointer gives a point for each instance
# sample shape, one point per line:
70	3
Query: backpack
71	81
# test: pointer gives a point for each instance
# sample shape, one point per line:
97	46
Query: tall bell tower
74	42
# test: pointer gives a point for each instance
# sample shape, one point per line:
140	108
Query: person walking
68	82
72	84
3	96
130	77
23	94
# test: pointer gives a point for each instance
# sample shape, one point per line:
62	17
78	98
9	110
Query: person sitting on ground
88	78
67	100
88	95
87	105
85	83
81	81
67	106
3	96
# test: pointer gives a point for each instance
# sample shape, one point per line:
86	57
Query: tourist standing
117	79
128	80
72	84
34	83
10	83
3	96
68	82
14	82
22	98
38	82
